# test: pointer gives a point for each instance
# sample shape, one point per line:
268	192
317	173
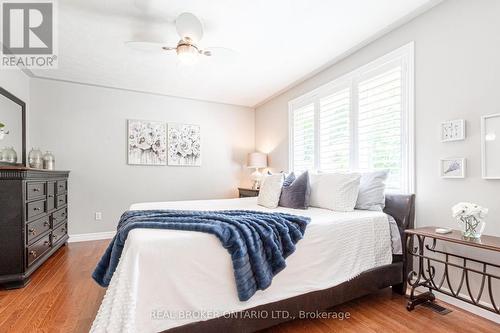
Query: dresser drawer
38	249
61	200
36	228
61	186
59	216
34	209
35	190
59	232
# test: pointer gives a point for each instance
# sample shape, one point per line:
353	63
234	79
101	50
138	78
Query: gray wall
457	67
457	75
85	127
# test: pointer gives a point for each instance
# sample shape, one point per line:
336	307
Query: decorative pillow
372	191
296	191
335	191
289	179
270	191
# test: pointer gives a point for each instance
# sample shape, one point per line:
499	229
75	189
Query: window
361	121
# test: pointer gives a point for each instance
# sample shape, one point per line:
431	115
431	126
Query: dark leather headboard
402	208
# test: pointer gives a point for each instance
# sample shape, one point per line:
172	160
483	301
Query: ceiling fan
190	30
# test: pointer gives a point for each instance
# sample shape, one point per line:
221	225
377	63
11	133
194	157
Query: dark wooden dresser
33	220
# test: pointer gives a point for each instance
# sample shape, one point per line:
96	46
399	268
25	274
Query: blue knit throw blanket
258	242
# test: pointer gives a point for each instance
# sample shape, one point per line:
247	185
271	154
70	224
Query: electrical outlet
98	216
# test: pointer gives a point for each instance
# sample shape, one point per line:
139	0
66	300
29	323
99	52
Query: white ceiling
278	42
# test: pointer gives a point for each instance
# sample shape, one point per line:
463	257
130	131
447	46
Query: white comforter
169	278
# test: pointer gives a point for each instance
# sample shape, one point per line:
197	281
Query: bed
182	281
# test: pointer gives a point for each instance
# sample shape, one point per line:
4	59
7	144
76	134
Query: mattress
169	278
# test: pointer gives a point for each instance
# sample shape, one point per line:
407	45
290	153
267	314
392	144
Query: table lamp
256	160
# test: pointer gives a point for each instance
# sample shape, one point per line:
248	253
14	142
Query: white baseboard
468	307
465	306
91	236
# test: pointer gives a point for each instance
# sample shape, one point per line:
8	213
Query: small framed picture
452	167
453	130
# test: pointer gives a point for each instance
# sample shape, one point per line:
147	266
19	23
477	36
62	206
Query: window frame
403	56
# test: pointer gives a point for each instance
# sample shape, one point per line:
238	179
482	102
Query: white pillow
372	190
335	191
270	191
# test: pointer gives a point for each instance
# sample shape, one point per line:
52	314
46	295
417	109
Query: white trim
91	236
469	307
403	56
407	49
464	305
483	146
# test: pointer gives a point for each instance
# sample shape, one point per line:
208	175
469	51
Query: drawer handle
51	196
33	253
63	230
32	231
63	214
54	236
46	243
36	189
36	209
46	223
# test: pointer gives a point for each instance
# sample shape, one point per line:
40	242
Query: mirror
12	129
490	146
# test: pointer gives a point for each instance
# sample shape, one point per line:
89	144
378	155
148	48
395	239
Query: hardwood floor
62	297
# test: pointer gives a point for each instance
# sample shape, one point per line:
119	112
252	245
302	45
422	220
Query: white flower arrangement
470	216
468	209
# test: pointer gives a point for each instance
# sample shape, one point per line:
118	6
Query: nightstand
248	192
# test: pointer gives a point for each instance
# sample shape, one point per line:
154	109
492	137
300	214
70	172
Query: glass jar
49	161
9	155
35	158
1	154
472	227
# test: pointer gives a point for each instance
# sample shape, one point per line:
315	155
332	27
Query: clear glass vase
49	161
35	158
9	155
472	227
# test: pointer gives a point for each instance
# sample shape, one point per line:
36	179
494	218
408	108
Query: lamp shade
257	160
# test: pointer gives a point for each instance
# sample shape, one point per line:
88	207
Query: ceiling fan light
187	54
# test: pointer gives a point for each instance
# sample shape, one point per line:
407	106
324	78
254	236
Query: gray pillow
372	191
296	194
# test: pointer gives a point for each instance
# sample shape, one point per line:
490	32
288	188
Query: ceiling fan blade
147	46
189	26
223	52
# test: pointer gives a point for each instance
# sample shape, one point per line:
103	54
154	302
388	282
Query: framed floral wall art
184	145
147	142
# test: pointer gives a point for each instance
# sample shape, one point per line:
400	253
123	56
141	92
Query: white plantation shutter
334	132
379	124
361	121
303	138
